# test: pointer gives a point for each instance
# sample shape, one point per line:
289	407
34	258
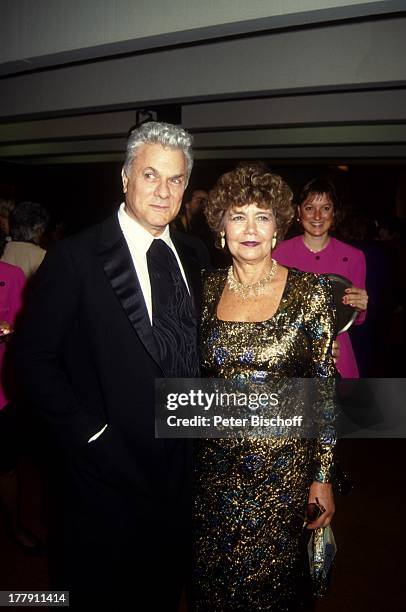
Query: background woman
316	251
260	320
12	283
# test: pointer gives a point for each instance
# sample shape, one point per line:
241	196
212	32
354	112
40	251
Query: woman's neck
316	243
249	273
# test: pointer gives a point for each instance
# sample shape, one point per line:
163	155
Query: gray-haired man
111	310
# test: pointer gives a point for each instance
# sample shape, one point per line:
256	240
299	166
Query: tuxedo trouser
112	547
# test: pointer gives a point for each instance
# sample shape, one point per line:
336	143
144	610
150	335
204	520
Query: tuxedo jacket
86	357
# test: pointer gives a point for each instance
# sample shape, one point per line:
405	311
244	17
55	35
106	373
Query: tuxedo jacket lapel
119	268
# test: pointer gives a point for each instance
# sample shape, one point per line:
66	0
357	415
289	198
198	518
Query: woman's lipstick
250	243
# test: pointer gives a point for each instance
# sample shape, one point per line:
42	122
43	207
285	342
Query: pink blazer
12	282
336	258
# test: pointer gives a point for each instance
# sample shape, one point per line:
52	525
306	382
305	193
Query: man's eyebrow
155	171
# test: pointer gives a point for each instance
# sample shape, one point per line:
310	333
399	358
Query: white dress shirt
139	240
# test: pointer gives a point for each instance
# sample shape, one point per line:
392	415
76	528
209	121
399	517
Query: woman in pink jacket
12	283
316	251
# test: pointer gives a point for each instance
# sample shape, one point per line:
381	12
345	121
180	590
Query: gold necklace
245	290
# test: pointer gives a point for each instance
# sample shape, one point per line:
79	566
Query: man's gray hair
164	134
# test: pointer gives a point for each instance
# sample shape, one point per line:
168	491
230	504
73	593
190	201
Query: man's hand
324	493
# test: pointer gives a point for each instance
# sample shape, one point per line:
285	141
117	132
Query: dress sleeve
359	278
17	284
321	329
321	325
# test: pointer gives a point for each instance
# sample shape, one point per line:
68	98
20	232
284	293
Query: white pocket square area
96	435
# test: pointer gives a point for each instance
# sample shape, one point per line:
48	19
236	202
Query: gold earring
274	241
222	240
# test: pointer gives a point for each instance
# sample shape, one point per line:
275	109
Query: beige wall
43	32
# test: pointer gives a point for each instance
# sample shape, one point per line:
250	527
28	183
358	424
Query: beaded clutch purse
321	550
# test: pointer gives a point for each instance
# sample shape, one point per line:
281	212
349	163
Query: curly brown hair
250	183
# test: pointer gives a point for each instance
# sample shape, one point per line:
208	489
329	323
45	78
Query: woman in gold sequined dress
259	320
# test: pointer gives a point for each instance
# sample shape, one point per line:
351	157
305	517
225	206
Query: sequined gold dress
251	493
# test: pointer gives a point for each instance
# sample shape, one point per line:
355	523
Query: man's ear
124	179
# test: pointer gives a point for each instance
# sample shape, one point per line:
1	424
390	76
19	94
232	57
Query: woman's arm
321	327
357	296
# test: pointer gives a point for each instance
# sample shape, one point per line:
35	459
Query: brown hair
322	186
6	206
250	183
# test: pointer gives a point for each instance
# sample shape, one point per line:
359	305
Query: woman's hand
324	493
356	297
335	350
5	328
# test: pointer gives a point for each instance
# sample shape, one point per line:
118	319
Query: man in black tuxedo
111	310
